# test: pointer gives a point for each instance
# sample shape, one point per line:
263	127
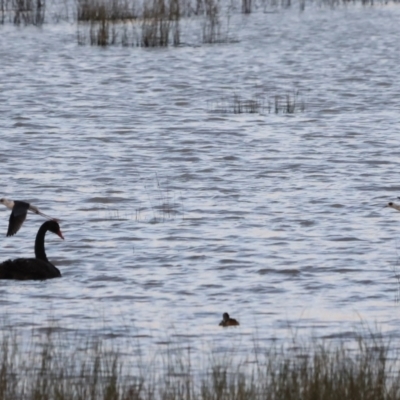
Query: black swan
33	268
19	210
227	321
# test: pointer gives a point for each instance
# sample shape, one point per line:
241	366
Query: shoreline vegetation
149	23
51	365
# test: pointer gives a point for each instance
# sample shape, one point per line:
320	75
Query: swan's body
227	321
393	205
19	210
33	268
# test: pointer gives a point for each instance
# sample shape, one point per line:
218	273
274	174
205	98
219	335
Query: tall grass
118	20
162	205
246	6
115	10
160	21
290	103
157	23
104	23
23	12
28	12
53	366
211	25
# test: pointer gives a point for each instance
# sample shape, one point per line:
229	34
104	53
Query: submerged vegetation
48	365
155	23
105	23
163	204
290	103
26	12
146	23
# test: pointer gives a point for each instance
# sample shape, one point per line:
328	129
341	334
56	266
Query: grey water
174	212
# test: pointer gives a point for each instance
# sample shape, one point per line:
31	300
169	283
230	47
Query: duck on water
38	268
228	321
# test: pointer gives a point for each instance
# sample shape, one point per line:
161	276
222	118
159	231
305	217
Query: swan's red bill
59	233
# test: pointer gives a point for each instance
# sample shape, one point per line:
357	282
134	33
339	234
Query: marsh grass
153	23
212	26
122	17
250	106
239	105
115	10
288	104
120	22
163	203
160	22
28	12
52	365
104	23
246	6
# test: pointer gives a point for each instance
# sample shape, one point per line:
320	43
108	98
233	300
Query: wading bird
19	210
227	321
33	268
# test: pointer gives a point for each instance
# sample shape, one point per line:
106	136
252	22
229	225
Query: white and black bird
393	205
19	210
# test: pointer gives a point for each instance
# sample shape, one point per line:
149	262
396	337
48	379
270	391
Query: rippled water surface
174	211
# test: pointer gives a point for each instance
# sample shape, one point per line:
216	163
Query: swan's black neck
39	243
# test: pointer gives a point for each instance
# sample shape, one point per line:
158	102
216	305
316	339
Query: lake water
175	210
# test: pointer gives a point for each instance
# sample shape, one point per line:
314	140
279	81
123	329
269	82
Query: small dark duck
228	321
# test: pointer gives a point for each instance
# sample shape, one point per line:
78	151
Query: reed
163	203
239	105
124	13
246	6
251	106
290	103
104	23
211	29
2	11
51	365
100	10
27	12
160	20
